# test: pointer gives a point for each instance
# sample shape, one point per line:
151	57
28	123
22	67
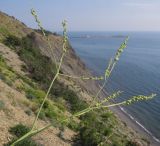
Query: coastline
135	125
137	128
130	122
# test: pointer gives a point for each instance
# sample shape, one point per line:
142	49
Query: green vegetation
75	103
6	73
41	70
52	110
93	129
96	127
12	40
3	33
2	105
47	32
18	131
40	67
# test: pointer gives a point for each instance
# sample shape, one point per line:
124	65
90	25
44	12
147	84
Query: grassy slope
16	108
63	100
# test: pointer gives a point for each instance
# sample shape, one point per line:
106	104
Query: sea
136	73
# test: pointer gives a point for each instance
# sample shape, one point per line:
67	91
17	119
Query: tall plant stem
32	131
49	89
99	91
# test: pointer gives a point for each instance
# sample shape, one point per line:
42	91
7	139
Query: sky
88	15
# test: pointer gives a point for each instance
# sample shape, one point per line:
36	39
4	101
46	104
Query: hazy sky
88	15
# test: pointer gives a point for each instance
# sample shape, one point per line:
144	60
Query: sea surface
137	72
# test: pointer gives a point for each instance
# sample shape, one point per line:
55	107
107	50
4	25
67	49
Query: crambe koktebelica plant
95	104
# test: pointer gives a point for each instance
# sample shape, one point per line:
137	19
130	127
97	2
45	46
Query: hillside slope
26	68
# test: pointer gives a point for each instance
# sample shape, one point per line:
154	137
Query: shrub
6	76
18	131
35	94
3	33
60	103
12	41
106	114
6	72
2	105
73	125
28	81
75	103
42	115
94	128
132	143
47	32
51	112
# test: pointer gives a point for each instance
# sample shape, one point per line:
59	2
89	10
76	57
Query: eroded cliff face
72	64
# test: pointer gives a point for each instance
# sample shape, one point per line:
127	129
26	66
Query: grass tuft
18	131
2	105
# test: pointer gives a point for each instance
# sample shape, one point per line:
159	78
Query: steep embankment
72	64
15	108
26	69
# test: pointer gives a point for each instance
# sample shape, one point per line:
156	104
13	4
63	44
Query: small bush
6	79
60	103
73	125
106	115
18	131
93	129
75	103
47	32
42	115
51	111
6	72
132	143
28	81
2	105
3	33
12	41
35	94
